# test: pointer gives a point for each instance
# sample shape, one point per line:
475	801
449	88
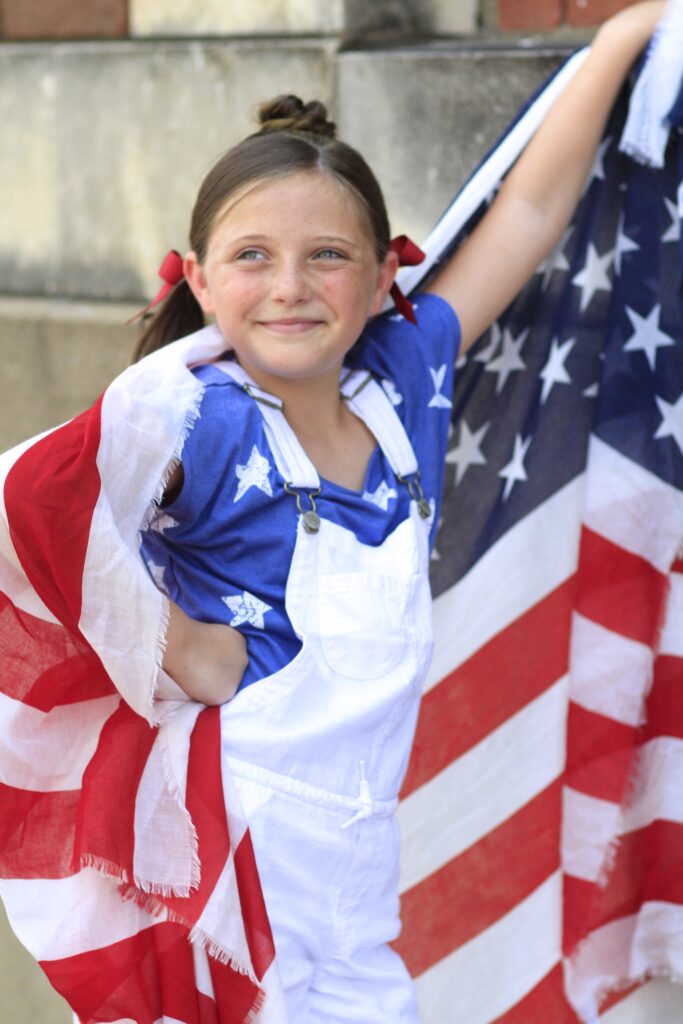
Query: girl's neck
338	444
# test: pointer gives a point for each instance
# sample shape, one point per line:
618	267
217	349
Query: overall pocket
364	626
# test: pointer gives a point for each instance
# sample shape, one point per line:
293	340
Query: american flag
542	816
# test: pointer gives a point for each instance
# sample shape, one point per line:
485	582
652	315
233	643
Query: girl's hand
206	659
538	197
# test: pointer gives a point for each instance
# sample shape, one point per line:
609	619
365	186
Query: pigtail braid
180	314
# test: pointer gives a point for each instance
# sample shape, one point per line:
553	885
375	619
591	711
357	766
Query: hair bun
290	114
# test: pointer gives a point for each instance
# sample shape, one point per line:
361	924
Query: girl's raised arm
538	197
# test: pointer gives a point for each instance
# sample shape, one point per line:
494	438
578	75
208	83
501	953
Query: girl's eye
250	255
329	254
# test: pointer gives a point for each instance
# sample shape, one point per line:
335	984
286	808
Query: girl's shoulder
414	362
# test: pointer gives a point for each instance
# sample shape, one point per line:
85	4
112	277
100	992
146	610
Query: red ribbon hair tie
409	255
171	273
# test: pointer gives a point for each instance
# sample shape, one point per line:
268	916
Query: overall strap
366	399
290	458
369	401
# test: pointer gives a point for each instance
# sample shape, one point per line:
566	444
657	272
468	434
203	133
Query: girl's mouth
296	325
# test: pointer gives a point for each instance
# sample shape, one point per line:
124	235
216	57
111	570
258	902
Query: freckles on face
291	273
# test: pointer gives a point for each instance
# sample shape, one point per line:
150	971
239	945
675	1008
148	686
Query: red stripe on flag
477	887
544	1004
43	665
256	923
206	807
600	753
665	700
619	590
37	833
502	677
648	867
106	813
50	494
145	977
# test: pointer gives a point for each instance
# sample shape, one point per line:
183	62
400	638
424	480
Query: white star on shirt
647	336
157	574
468	450
390	390
247	607
382	496
515	470
439	401
160	521
673	232
624	245
554	371
593	278
253	474
509	359
672	420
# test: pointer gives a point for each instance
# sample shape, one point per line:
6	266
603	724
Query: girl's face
291	277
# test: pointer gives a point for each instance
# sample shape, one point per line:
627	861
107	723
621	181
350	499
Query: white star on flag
554	371
624	245
468	450
673	232
382	496
647	336
439	401
488	350
253	474
515	470
556	260
593	278
509	359
247	607
390	390
157	574
672	420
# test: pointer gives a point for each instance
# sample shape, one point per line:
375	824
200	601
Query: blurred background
111	112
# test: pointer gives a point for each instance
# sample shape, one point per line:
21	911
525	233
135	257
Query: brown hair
293	137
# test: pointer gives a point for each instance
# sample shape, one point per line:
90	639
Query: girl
293	541
294	536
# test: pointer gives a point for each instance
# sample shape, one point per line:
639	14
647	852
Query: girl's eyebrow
241	239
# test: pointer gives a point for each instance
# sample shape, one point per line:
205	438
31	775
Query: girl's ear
385	279
196	278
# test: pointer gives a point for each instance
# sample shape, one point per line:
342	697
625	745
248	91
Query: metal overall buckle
311	519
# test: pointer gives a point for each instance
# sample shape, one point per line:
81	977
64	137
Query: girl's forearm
207	660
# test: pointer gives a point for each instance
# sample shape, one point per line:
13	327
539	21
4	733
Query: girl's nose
289	283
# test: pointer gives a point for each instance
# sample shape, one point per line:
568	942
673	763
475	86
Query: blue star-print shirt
223	548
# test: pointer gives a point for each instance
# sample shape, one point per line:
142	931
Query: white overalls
318	750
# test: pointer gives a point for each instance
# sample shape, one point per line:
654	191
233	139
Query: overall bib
318	750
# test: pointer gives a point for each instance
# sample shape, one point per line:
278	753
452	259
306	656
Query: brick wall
546	15
116	19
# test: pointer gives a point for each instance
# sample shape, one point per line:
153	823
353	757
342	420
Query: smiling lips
294	325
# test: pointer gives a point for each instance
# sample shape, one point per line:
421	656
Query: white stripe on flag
42	911
493	971
467	800
48	752
671	640
609	672
527	563
658	790
623	499
594	824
